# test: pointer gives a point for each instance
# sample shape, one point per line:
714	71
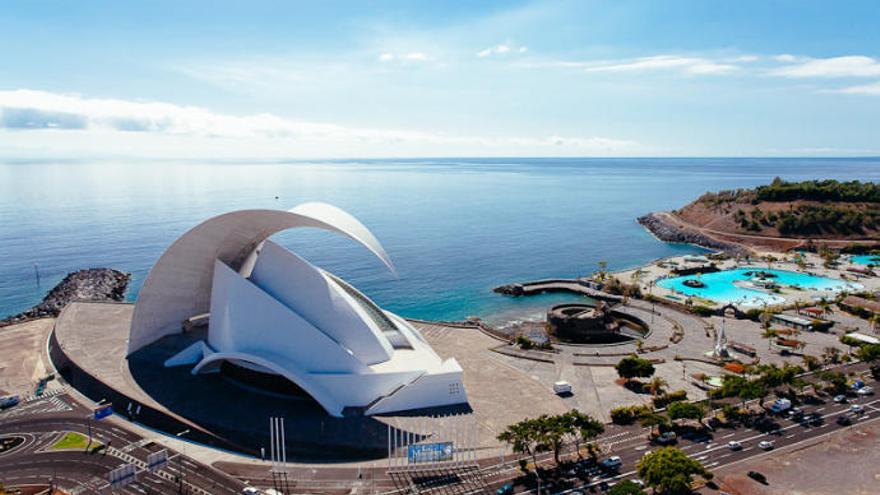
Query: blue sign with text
103	411
429	452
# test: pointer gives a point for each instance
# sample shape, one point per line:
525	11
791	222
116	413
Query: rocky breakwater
94	284
667	231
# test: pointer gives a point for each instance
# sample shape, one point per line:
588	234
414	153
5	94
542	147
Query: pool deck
654	271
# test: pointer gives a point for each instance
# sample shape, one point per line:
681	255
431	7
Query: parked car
866	390
8	401
844	420
249	490
858	384
734	445
856	409
505	490
814	419
613	463
666	438
765	444
840	399
795	413
780	406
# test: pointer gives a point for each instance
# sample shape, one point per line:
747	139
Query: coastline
92	285
665	231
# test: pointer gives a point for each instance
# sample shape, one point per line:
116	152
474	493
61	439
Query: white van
561	388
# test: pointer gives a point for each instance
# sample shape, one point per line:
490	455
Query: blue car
505	490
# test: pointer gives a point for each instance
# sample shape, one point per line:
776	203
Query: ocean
455	228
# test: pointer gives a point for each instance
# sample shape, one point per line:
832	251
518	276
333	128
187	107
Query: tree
526	437
654	420
670	471
626	487
603	270
634	367
657	385
869	353
581	428
686	410
831	355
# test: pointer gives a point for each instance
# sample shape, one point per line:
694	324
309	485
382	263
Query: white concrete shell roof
179	285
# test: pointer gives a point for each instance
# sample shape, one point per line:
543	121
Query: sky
370	79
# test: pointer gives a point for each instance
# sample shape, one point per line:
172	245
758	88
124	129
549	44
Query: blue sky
255	79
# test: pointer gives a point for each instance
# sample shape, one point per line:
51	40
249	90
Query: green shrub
664	400
627	415
700	310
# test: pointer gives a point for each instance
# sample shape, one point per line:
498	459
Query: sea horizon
455	227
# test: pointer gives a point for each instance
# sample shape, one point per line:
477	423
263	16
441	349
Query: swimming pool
865	259
722	286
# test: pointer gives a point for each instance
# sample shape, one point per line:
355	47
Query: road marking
791	436
728	436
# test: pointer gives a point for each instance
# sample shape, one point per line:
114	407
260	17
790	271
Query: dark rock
94	285
510	289
674	233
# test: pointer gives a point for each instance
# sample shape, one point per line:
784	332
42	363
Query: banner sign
103	411
429	452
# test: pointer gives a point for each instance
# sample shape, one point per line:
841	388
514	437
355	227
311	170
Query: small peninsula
779	216
93	284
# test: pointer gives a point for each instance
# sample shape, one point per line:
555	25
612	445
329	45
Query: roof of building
797	320
861	302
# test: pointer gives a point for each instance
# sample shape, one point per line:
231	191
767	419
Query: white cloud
502	49
37	120
784	57
418	56
688	65
872	89
848	66
404	58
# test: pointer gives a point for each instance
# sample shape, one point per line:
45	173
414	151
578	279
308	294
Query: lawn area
73	440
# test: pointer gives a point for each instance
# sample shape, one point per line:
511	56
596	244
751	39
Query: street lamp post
89	422
180	468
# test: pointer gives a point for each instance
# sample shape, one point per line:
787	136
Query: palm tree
656	385
602	272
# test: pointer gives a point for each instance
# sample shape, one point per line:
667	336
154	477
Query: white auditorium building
273	312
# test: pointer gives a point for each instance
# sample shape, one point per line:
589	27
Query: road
40	421
712	450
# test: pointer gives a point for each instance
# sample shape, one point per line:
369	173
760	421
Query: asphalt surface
40	421
712	449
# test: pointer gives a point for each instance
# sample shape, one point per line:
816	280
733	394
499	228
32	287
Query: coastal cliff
779	216
93	284
667	231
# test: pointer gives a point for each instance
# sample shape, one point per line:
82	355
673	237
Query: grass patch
72	440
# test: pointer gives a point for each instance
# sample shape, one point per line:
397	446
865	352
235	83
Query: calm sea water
455	228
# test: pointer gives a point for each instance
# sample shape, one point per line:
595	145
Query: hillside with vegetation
825	209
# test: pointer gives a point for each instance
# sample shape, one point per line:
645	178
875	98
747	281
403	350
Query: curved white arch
179	284
298	377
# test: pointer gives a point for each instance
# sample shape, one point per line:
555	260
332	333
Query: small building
792	321
813	312
868	339
856	305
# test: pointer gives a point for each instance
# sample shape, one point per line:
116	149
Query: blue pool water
720	287
866	259
455	228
